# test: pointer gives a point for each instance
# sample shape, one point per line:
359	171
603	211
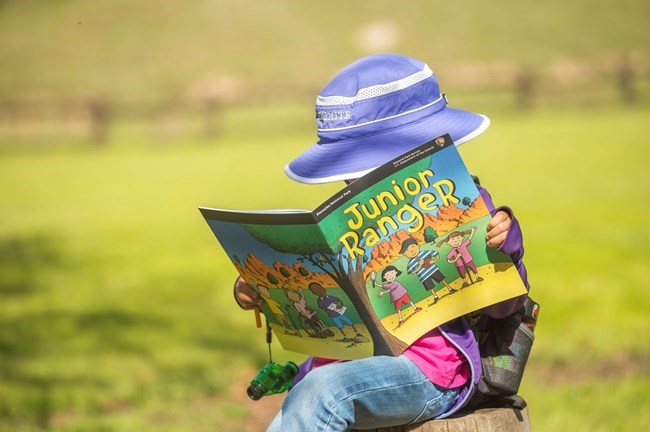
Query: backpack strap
473	319
504	345
528	313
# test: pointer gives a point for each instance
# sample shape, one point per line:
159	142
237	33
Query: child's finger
500	223
248	302
498	229
497	240
246	296
497	219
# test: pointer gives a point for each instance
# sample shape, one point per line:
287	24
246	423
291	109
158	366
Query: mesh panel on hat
376	90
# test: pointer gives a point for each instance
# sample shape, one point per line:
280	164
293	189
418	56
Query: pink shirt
463	252
435	356
396	289
439	360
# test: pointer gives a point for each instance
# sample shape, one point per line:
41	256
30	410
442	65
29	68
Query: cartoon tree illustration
272	279
430	235
345	271
284	272
466	201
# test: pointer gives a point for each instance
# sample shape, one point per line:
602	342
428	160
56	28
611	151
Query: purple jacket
458	331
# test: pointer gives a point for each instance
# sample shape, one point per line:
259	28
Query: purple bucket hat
374	110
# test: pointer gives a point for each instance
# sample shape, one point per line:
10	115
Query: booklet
388	258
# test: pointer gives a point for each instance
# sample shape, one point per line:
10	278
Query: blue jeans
362	394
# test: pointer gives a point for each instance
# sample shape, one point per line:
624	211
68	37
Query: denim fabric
368	393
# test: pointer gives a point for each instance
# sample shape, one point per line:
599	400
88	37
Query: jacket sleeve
513	246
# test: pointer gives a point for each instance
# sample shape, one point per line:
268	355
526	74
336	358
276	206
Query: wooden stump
505	419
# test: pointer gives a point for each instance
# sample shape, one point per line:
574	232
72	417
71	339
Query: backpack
504	345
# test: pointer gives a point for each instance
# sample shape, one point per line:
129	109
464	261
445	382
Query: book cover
389	257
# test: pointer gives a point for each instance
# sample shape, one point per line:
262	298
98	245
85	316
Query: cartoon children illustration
308	315
334	308
460	255
276	309
423	264
398	294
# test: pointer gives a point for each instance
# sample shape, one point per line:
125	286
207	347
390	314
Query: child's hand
497	229
246	296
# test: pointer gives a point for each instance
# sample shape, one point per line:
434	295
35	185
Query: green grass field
116	310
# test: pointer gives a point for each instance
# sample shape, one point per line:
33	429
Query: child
308	314
276	309
398	294
460	254
422	263
334	308
371	112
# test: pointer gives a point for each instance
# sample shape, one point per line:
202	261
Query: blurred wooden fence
93	118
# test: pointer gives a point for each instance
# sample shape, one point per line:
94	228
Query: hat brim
352	158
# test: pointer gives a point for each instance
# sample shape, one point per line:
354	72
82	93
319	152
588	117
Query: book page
395	254
415	228
290	266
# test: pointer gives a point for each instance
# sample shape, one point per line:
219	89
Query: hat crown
374	110
376	93
371	71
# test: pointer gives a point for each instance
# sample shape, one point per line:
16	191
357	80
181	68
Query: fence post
525	88
211	107
626	80
99	111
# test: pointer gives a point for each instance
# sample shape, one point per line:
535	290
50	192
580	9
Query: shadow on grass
22	258
35	348
58	360
46	360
